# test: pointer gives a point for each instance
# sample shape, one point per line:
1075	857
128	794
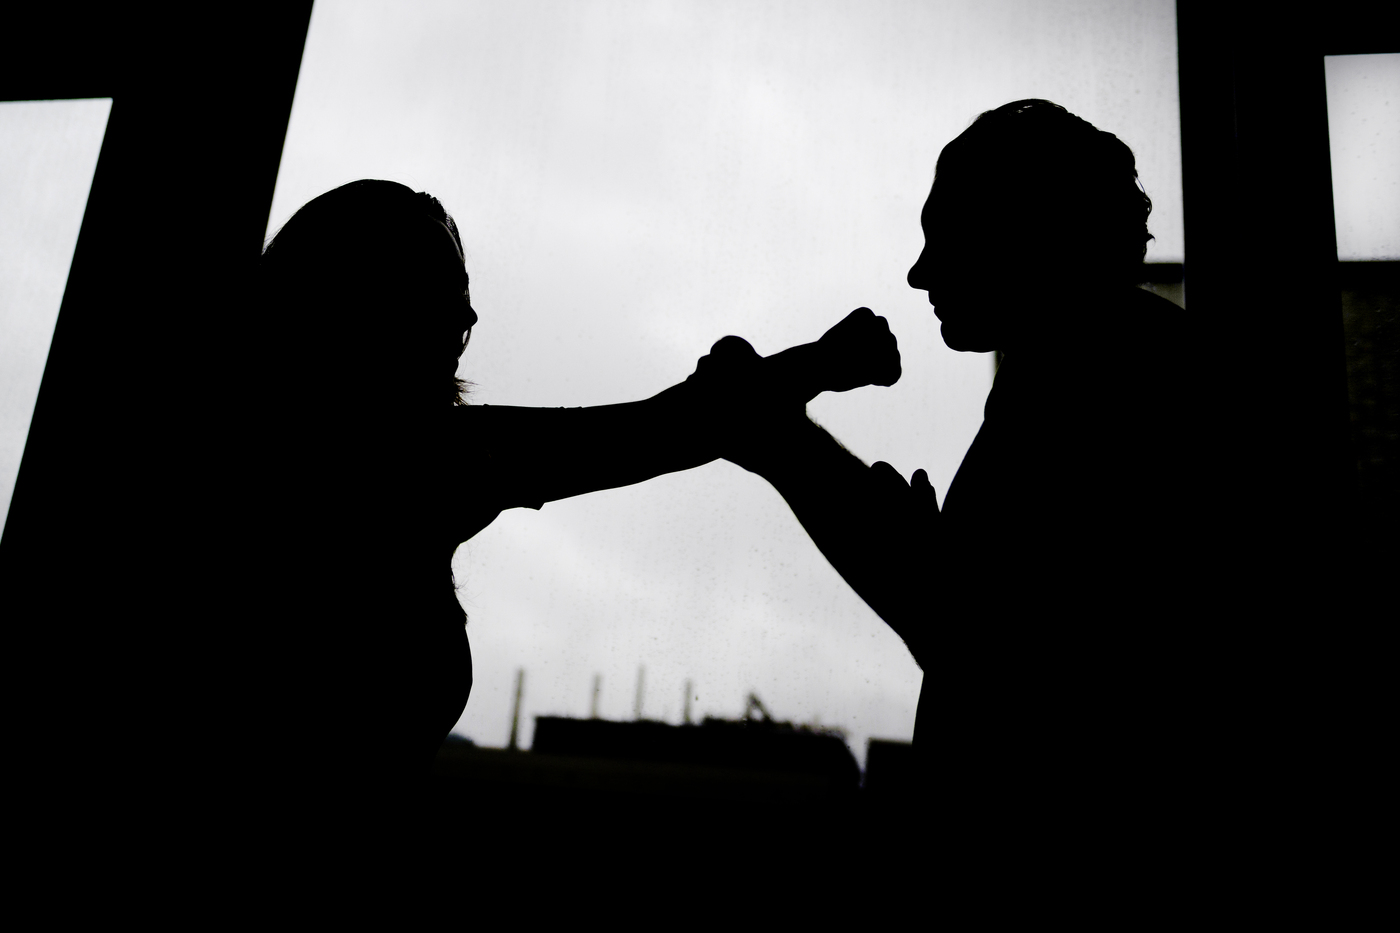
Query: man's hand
744	403
731	367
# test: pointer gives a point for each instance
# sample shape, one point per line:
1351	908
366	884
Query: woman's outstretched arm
535	455
530	456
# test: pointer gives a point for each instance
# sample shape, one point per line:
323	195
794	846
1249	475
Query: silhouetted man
1051	603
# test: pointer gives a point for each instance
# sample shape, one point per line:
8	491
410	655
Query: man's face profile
966	265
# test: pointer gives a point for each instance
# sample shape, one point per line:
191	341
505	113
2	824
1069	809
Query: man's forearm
864	520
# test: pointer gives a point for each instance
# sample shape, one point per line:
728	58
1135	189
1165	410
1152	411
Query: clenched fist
753	400
859	351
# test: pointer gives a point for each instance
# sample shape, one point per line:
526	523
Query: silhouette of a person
1050	601
359	492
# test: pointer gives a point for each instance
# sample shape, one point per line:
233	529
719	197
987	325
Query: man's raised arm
878	531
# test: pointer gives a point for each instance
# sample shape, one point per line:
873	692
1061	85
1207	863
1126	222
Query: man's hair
1033	159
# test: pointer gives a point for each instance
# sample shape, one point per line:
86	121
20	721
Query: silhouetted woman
370	469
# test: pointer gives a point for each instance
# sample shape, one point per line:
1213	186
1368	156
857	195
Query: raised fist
749	401
859	351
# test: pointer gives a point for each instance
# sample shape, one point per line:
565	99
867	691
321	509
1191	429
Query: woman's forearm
539	455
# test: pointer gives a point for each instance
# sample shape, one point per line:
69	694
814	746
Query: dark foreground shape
632	798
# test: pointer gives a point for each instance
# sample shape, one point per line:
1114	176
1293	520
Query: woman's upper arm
495	453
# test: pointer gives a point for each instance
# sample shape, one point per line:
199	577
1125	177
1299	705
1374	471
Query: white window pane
1363	125
48	153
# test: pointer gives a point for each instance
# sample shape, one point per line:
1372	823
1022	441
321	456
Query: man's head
1029	205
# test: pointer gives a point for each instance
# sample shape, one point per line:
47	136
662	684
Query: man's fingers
728	357
733	347
888	481
852	325
887	475
879	346
925	499
888	367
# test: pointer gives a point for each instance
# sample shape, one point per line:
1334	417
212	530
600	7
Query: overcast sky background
633	181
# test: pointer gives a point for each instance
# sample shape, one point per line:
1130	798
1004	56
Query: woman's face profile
446	296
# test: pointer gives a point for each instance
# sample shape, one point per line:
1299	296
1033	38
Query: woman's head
1030	198
371	275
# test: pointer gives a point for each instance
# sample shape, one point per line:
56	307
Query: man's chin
965	340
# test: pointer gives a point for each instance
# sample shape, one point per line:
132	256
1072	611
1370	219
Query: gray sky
634	181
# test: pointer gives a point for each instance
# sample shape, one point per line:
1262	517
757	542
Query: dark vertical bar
1261	264
1279	694
515	710
122	555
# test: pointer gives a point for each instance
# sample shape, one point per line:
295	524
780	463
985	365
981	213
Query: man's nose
915	278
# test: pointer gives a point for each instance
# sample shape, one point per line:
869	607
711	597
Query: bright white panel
1363	124
634	181
48	153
